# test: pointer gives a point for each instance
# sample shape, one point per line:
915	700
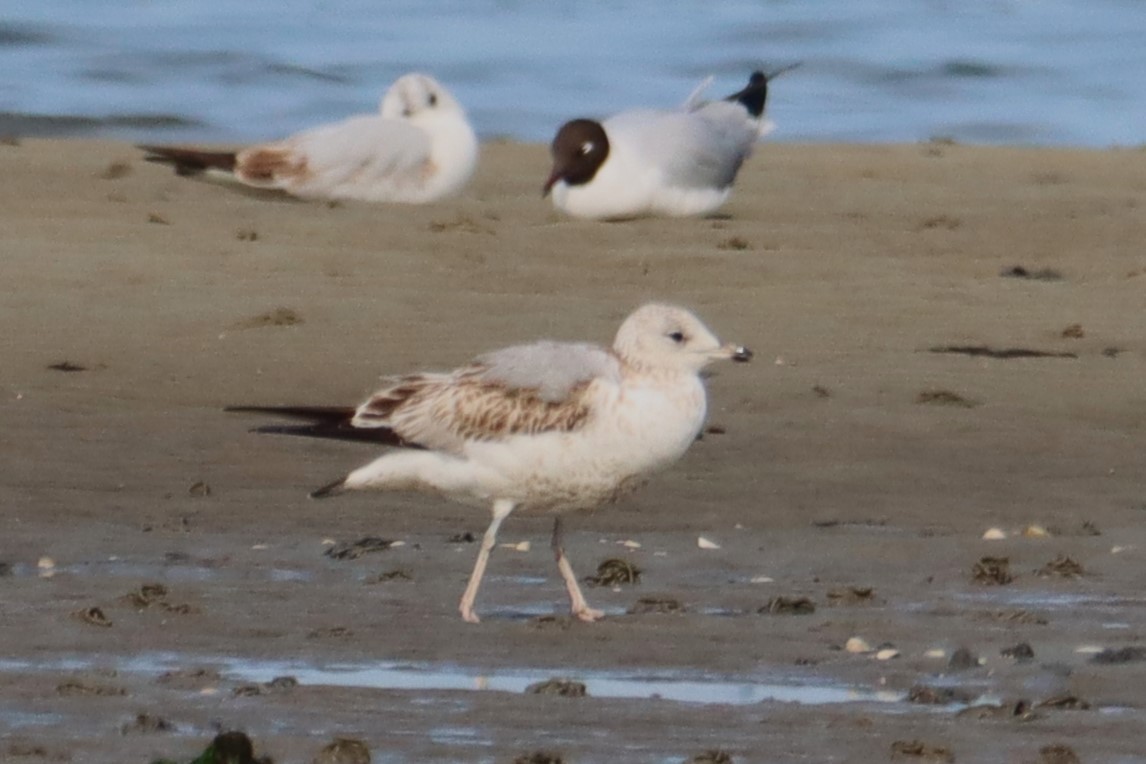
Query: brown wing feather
445	411
270	164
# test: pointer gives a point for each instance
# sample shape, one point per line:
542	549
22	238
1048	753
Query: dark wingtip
755	95
742	355
330	489
189	161
777	72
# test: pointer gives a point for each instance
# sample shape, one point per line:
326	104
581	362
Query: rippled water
989	71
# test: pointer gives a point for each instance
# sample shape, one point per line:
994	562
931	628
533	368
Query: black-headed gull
419	148
678	163
547	427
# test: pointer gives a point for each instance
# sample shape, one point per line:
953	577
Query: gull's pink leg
577	604
501	510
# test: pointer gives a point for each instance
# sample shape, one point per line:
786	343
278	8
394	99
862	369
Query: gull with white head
418	148
544	427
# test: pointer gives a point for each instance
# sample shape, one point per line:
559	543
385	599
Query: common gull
546	427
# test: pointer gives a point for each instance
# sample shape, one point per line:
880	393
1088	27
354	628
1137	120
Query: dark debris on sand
1017	710
226	748
788	606
992	571
1061	566
539	757
714	756
1064	702
1041	274
851	595
1058	753
397	574
614	572
985	351
67	366
75	687
944	398
564	688
279	684
656	605
147	724
917	749
352	550
1022	652
94	616
962	659
343	750
938	696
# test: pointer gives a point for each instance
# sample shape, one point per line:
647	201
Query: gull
545	427
678	163
419	148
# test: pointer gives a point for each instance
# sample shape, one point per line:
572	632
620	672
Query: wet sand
850	456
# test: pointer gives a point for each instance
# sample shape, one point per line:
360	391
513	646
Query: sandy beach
949	340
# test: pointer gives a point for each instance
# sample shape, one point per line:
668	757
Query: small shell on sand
994	534
857	645
704	543
886	654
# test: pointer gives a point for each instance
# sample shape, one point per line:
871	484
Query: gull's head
414	96
579	149
668	338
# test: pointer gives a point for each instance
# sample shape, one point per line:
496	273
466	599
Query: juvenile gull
677	162
546	427
419	148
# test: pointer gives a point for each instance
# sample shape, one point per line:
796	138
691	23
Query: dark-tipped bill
330	489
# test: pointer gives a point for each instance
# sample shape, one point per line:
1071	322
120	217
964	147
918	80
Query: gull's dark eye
433	99
677	337
586	147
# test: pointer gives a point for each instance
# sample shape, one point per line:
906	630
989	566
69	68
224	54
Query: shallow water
684	687
986	71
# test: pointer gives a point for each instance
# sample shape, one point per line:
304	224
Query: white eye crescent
586	147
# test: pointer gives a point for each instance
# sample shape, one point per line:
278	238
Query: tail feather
191	161
329	422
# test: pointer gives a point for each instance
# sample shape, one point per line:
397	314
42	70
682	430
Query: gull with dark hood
677	163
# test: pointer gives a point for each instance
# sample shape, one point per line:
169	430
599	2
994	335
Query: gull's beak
556	175
737	353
